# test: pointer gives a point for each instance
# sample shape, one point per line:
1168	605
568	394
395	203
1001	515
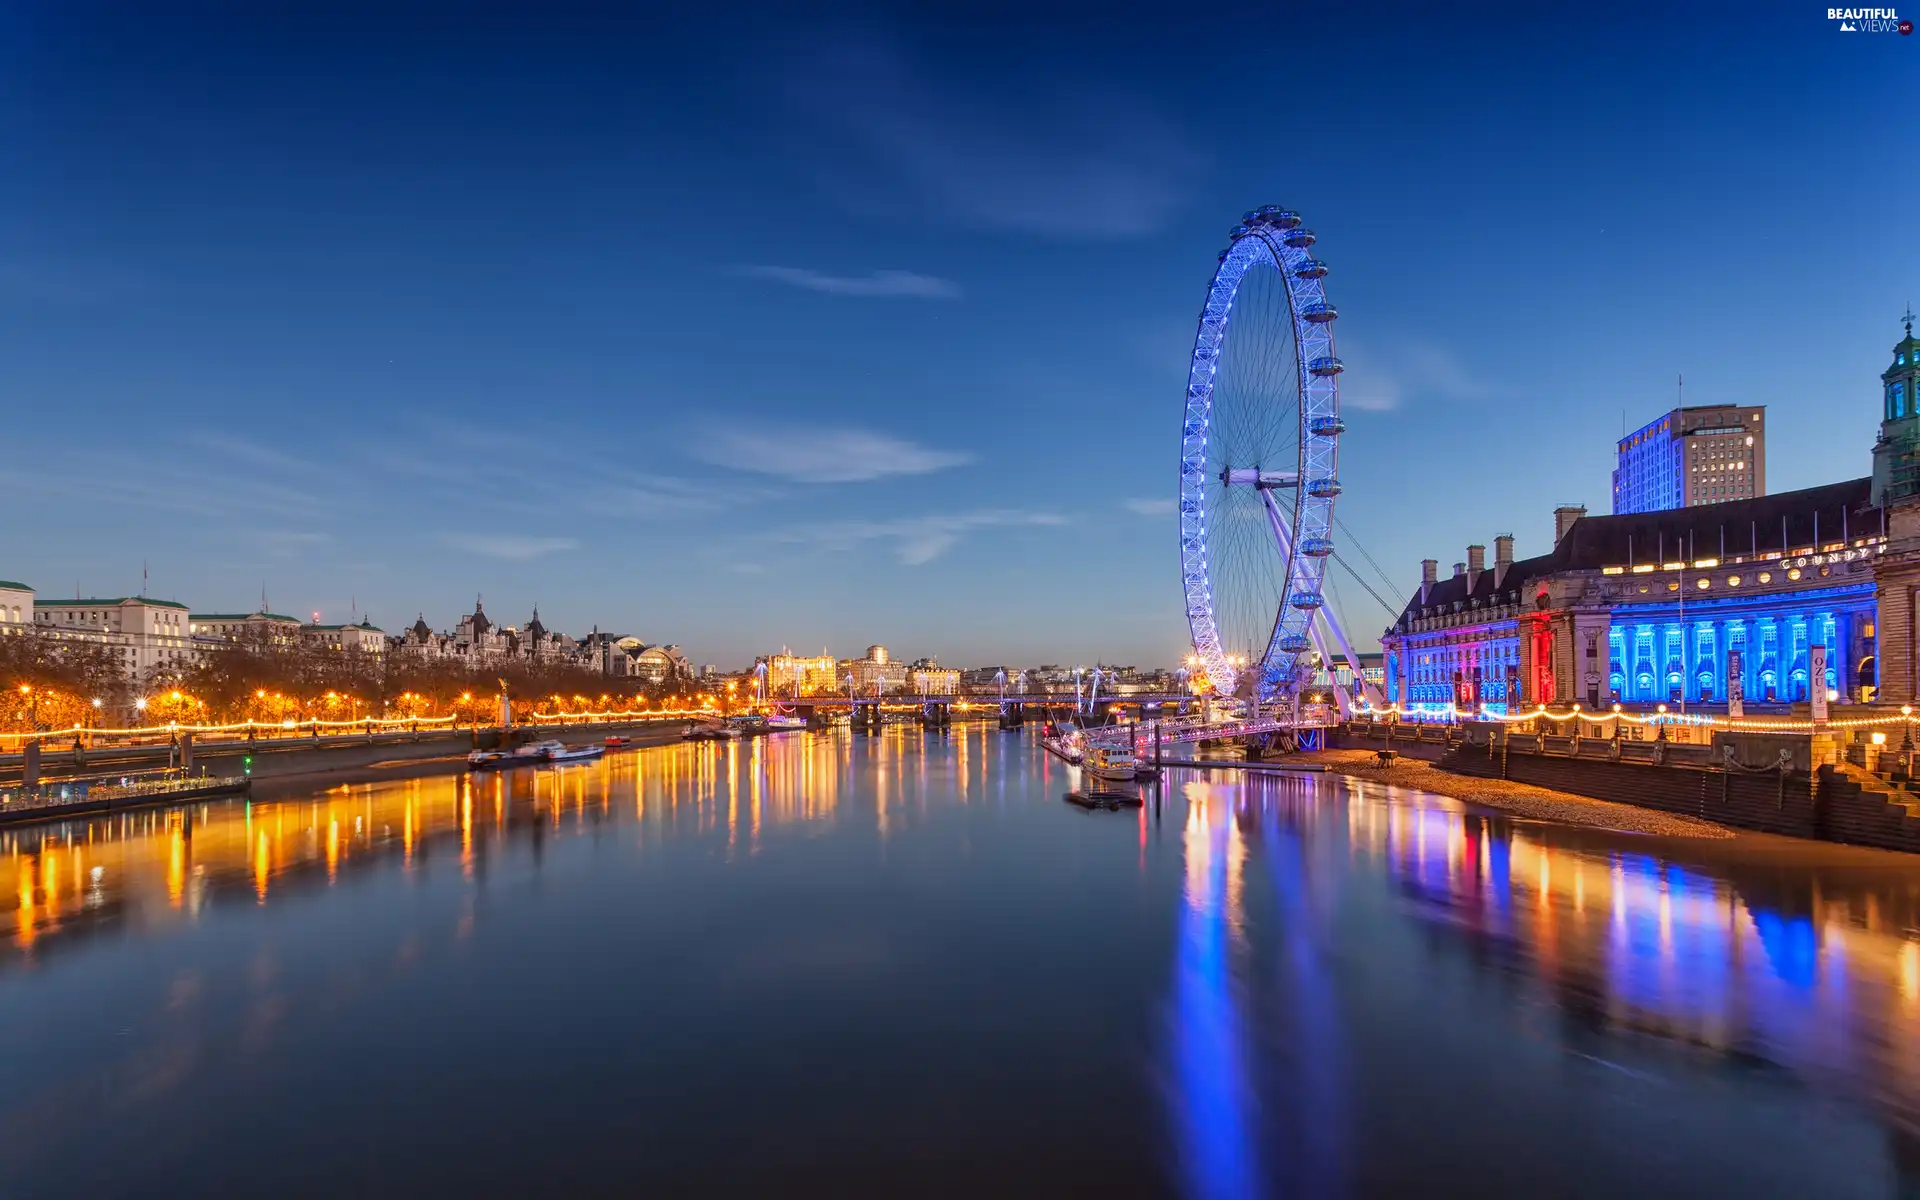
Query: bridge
986	700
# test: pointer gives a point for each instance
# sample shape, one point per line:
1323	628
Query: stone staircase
1868	808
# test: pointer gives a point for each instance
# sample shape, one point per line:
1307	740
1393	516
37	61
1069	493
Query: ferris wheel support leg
1360	683
1281	536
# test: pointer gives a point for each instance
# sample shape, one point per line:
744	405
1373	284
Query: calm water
902	965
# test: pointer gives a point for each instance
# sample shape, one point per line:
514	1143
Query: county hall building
1660	607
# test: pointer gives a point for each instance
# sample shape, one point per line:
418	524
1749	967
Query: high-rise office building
1701	455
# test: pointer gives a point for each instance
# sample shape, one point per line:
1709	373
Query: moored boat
557	753
1065	742
488	760
1110	765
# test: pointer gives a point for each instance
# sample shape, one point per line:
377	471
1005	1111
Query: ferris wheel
1259	458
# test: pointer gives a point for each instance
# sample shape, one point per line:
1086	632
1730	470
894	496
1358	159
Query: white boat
710	733
785	721
534	752
489	760
1110	765
558	753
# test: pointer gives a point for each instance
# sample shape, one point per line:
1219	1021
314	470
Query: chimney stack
1476	559
1459	569
1429	575
1502	557
1563	519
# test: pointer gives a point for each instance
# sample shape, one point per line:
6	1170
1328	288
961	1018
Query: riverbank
1522	800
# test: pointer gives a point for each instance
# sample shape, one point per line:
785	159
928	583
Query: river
900	964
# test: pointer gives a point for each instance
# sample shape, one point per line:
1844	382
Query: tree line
54	683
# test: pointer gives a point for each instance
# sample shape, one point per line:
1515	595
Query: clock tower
1896	456
1896	492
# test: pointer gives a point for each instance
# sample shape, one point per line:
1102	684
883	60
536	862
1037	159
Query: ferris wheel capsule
1295	643
1306	600
1320	313
1312	268
1286	220
1298	238
1326	427
1316	547
1326	367
1324	489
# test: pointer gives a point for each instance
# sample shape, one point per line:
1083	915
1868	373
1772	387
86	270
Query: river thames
901	964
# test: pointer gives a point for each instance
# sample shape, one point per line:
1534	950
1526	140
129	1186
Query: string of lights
1659	717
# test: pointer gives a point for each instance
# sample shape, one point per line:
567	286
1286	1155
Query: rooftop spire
1908	318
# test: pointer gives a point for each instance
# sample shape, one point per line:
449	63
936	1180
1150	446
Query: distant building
255	628
16	607
929	678
363	638
1707	454
151	637
659	665
876	674
792	674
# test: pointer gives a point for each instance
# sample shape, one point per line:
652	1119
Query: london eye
1259	464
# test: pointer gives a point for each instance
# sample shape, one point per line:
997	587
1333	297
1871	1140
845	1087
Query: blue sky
737	331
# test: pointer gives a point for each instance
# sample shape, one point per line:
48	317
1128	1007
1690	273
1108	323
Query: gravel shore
1519	799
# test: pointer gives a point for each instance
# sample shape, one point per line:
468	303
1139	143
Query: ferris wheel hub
1264	480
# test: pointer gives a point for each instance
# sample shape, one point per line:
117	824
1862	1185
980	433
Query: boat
785	721
488	760
1064	742
535	752
1110	765
557	753
710	733
615	741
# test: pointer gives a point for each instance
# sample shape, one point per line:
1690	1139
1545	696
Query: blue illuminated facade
1655	655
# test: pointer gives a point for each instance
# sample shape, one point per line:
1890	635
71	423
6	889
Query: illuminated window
1793	572
1733	581
1766	577
1702	584
1673	586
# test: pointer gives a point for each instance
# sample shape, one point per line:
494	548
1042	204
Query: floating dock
1104	799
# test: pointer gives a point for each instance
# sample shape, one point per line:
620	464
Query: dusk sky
738	331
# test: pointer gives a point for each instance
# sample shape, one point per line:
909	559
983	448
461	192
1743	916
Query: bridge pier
1013	714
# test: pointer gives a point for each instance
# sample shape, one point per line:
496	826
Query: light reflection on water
1275	986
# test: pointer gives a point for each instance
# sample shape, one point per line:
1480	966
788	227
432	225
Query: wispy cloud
511	547
1151	508
1380	383
915	541
289	543
876	283
1059	157
821	455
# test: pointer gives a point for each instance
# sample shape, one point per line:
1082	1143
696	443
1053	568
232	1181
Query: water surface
900	964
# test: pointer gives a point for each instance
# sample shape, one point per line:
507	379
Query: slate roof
1782	521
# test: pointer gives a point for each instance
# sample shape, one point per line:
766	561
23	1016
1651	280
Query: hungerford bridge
1259	475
